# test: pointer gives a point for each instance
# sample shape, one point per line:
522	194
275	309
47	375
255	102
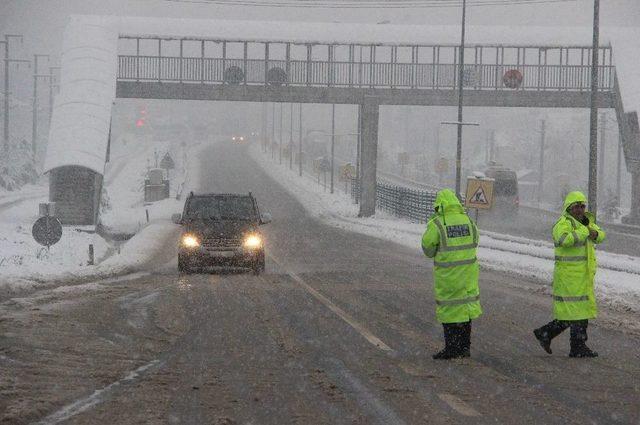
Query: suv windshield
220	208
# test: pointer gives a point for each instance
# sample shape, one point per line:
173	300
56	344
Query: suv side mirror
265	218
176	218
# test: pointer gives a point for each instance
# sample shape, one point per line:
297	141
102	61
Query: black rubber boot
466	339
543	339
546	333
453	341
579	338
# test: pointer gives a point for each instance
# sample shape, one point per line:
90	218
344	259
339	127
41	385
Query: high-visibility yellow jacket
575	264
451	239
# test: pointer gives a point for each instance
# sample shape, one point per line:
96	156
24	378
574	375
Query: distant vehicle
505	189
238	139
221	230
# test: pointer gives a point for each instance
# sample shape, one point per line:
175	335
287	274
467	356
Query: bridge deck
494	75
347	95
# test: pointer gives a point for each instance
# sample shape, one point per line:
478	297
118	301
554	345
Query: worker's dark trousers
578	331
457	336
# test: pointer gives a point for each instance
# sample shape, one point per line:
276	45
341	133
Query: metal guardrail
415	205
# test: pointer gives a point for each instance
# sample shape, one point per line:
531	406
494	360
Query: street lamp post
300	139
280	138
459	124
460	98
358	147
273	127
593	122
263	126
541	163
333	142
291	136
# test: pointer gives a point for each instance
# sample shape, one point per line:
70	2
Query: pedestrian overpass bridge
366	65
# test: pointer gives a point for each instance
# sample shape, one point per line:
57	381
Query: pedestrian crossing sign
479	193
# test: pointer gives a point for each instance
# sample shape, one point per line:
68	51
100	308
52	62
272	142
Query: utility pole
486	147
53	85
543	125
280	138
619	171
263	126
273	128
593	122
34	120
601	153
406	112
300	139
358	148
291	136
333	141
460	99
7	61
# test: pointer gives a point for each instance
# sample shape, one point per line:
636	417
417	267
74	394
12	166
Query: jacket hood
572	198
447	202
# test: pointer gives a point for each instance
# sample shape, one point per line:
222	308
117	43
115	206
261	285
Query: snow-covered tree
17	166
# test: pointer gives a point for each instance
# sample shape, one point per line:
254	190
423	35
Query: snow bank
24	263
124	210
139	250
617	281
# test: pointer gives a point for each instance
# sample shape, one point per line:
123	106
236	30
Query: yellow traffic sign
479	193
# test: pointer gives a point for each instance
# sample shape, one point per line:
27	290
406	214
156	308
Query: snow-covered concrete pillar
369	129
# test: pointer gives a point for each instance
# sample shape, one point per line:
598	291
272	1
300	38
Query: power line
368	4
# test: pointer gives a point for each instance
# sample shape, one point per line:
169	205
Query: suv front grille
222	244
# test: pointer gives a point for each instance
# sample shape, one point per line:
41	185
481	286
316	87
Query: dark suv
221	230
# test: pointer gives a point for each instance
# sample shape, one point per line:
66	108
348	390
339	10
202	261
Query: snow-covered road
339	329
617	281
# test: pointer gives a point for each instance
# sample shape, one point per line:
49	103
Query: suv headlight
252	242
190	241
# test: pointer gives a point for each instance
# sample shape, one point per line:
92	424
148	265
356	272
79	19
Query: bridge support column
634	214
370	112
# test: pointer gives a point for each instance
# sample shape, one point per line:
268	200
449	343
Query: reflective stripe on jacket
451	239
575	264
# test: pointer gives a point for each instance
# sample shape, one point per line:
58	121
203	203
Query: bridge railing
359	74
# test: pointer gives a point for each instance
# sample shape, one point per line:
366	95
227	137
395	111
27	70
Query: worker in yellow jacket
574	302
451	239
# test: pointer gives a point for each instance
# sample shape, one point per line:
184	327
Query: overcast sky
42	21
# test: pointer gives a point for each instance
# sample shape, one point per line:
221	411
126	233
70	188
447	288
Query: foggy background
507	135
